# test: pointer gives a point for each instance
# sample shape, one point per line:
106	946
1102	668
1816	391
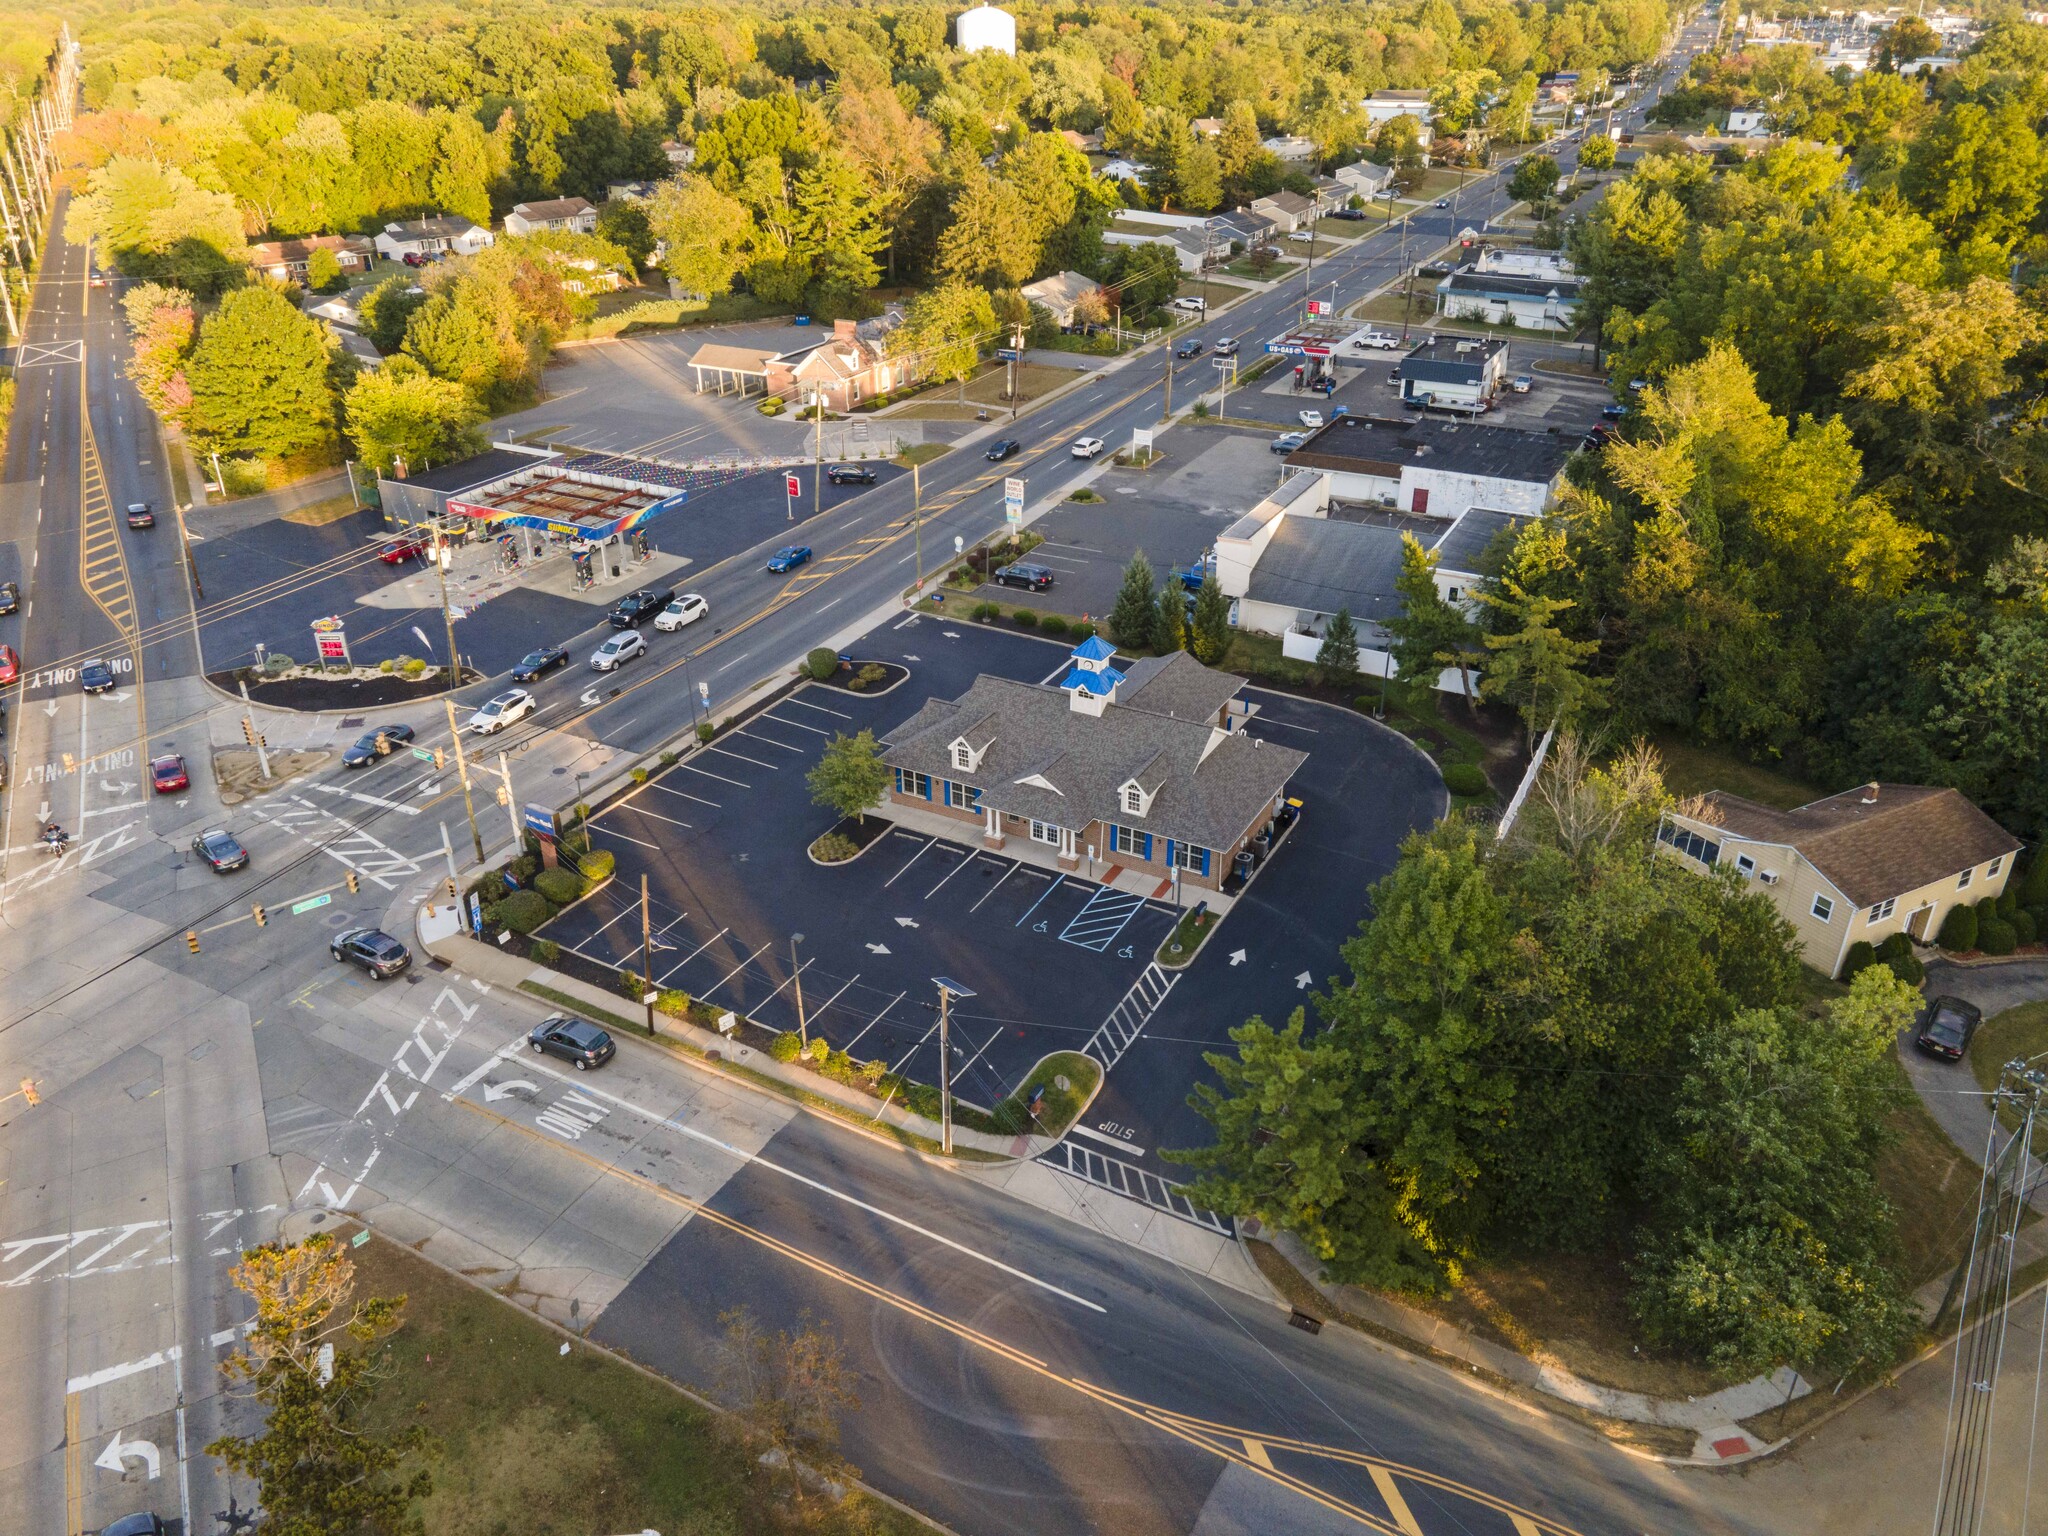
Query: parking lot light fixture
803	1032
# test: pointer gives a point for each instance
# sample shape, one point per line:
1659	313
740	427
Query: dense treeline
830	144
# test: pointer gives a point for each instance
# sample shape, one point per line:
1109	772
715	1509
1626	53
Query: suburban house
1331	539
1057	295
1289	211
1364	179
1531	290
285	260
848	366
1207	127
1124	170
1865	864
1558	86
1455	373
1745	124
564	215
678	154
1146	768
447	234
1243	226
1084	143
1384	106
1195	242
1290	146
628	191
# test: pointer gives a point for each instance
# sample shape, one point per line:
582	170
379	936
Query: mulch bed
862	832
844	678
315	694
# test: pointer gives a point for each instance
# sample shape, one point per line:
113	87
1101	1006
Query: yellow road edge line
74	1474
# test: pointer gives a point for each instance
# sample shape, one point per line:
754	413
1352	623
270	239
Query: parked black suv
1036	577
629	610
850	474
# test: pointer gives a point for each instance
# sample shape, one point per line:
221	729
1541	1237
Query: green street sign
424	754
310	903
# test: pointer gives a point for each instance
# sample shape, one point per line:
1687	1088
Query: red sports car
10	664
167	773
403	549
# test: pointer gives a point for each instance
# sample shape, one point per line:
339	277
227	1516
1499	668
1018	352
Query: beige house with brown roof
1862	865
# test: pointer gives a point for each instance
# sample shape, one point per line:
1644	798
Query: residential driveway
1949	1088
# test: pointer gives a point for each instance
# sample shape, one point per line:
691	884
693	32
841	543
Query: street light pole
917	521
443	551
803	1029
948	990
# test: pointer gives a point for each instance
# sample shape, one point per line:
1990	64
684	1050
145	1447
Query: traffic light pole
442	551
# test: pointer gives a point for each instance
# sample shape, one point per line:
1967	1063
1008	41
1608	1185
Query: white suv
687	609
1088	447
502	711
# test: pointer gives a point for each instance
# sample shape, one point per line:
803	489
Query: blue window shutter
1205	862
927	789
899	781
1147	849
947	795
1169	853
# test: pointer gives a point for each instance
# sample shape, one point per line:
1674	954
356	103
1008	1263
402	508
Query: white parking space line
614	832
770	741
641	810
629	911
949	874
968	1065
728	976
684	794
819	1011
821	709
871	1023
908	862
992	889
736	783
792	976
746	759
1041	900
795	725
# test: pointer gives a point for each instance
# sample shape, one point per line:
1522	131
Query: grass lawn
1033	380
921	453
1098	345
316	514
1390	308
2017	1034
623	1451
1343	229
1932	1187
1692	769
1208	288
1242	267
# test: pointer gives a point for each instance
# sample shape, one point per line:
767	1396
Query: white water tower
986	27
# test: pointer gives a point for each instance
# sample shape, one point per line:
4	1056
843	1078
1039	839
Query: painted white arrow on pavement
115	1457
589	699
1237	957
496	1091
50	707
906	922
1302	981
908	657
121	698
878	949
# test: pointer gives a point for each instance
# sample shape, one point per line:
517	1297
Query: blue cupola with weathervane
1091	681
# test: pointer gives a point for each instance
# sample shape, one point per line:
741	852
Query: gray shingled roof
1177	685
1321	564
1460	548
1468	280
1210	801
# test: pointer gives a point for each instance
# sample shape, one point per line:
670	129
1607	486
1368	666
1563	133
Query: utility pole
818	452
185	543
511	801
796	971
646	955
443	551
948	990
255	736
917	521
1167	414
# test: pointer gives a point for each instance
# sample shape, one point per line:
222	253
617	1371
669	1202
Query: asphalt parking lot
267	581
1173	513
722	838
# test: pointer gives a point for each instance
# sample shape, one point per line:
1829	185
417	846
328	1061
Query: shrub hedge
1996	936
524	911
1465	779
560	886
1959	928
822	662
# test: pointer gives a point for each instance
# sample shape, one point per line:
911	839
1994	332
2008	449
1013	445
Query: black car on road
629	610
1945	1027
96	676
850	474
1036	578
371	745
1188	349
583	1045
372	949
1001	449
535	664
141	515
10	597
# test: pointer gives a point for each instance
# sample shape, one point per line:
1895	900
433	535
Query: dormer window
966	756
1134	799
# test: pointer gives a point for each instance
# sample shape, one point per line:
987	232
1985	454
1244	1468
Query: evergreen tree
259	379
1211	638
1337	656
1132	617
1429	633
1536	666
1170	622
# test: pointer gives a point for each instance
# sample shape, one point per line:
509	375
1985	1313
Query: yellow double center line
1232	1444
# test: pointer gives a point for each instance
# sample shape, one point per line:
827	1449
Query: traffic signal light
383	744
439	758
354	884
453	893
262	918
30	1092
248	731
192	940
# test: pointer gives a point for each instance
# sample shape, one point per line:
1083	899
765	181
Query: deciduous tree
259	379
400	411
850	776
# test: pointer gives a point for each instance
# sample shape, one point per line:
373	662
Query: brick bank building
1148	766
